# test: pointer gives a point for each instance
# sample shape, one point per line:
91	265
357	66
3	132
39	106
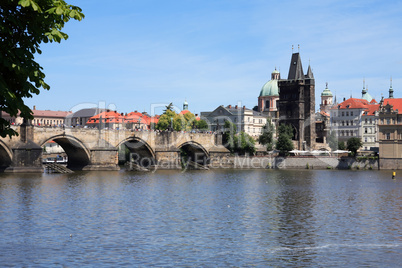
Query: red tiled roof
108	116
352	103
114	117
396	103
324	113
371	109
184	112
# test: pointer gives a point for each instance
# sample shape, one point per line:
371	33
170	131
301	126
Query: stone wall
390	163
256	162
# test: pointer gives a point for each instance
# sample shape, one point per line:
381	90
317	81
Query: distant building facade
390	133
46	118
356	118
245	119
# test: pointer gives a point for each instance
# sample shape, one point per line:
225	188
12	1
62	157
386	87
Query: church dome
271	88
326	92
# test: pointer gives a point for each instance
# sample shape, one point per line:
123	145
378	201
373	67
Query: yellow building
390	133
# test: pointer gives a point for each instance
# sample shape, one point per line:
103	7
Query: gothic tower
297	103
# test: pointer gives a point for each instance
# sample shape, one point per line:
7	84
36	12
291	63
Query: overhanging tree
24	26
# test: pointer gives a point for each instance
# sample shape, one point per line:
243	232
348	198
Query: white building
356	118
245	119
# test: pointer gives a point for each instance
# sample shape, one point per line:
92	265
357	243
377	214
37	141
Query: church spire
391	90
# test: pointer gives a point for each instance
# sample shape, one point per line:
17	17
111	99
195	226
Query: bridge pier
27	158
104	159
27	155
168	158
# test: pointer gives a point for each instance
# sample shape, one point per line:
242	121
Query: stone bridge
93	149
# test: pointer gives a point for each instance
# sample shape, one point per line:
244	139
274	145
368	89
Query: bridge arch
78	155
6	156
138	150
195	152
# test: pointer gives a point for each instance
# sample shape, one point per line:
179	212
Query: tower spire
364	88
391	90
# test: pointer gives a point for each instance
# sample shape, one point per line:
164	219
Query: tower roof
310	72
326	91
366	96
296	68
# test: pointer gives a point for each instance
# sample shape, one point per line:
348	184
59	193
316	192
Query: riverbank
293	162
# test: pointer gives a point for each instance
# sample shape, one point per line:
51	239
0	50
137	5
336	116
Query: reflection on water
238	218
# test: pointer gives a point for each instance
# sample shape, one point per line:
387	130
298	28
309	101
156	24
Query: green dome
366	96
270	88
326	92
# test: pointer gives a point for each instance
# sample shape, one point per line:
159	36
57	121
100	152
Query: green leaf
59	10
24	3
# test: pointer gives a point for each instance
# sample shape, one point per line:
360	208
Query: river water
220	218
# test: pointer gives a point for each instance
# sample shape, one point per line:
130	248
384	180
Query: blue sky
143	54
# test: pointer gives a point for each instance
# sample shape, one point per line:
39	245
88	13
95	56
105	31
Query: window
388	135
351	113
347	123
343	123
365	130
388	121
365	139
347	113
343	113
365	121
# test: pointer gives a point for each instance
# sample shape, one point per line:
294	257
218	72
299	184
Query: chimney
229	106
344	99
244	107
236	107
34	107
